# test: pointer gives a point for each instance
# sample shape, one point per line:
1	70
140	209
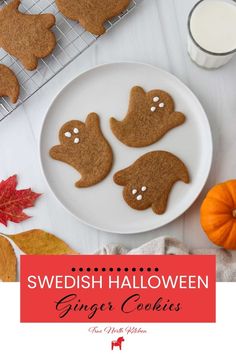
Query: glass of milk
212	32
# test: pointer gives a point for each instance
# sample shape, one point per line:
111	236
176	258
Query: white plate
105	90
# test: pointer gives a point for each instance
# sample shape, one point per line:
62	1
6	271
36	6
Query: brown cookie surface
9	85
27	37
150	116
83	146
149	180
92	13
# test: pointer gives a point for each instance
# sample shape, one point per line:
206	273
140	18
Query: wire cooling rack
72	40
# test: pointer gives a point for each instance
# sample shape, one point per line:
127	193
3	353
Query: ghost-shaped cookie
9	85
83	146
27	37
149	180
150	116
92	14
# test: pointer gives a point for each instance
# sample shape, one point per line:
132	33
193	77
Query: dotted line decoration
111	269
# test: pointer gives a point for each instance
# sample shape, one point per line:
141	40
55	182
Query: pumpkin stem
234	213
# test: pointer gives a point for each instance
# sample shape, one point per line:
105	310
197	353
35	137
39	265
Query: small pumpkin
218	214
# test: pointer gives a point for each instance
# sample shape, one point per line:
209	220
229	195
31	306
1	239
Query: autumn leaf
13	201
32	242
7	261
41	242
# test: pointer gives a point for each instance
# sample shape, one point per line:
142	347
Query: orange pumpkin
218	214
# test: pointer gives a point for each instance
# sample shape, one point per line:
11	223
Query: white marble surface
154	33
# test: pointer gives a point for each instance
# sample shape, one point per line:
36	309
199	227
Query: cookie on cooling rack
149	180
92	14
27	37
9	85
83	146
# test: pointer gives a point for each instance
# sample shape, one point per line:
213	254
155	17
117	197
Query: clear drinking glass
212	33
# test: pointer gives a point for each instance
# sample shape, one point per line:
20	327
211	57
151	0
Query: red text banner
118	288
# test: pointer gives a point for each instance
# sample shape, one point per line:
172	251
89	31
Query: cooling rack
72	40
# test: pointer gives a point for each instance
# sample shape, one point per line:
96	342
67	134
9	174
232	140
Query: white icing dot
76	130
76	140
156	99
153	109
161	105
139	197
68	135
143	189
134	191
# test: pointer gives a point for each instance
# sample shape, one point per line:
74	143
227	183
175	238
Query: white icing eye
153	109
143	189
161	105
156	99
76	140
68	135
134	191
139	197
76	130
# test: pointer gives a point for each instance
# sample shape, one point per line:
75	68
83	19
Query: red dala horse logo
117	343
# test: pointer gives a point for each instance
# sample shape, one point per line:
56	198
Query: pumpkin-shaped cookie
218	214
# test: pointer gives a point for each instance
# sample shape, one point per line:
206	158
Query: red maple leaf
13	202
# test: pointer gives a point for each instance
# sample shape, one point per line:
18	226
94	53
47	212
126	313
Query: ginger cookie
83	146
149	180
7	261
92	14
150	116
9	85
26	37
